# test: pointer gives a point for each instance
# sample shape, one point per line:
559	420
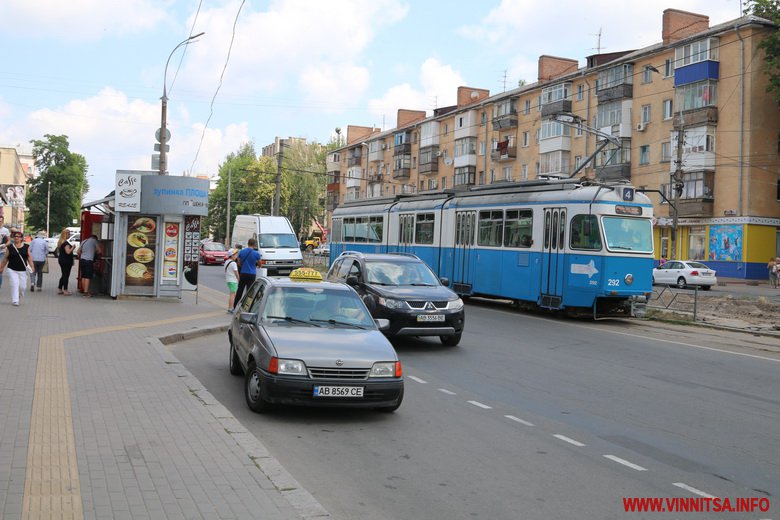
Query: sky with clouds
93	70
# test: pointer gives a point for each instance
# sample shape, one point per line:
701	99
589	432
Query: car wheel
391	409
235	364
451	341
252	391
681	283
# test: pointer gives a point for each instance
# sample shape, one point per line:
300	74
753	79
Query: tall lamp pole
227	225
164	118
48	204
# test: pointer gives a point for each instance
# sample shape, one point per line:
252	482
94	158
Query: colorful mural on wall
726	243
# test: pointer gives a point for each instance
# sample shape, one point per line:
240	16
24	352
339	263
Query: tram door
464	254
553	268
405	233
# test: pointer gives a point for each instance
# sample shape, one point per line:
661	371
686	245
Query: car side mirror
247	317
382	323
352	281
445	282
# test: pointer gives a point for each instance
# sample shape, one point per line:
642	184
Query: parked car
213	253
75	239
403	289
314	343
321	250
683	273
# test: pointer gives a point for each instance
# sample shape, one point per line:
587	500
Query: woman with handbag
64	253
19	264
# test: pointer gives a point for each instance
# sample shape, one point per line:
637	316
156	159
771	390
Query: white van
276	241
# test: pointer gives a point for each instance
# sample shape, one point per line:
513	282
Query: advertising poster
191	248
726	243
140	248
171	252
12	194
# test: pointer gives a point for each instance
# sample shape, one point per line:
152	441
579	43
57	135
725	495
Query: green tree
303	184
62	181
770	10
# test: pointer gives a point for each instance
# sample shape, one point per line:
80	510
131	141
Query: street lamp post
164	98
48	204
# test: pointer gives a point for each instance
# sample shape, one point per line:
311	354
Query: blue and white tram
552	244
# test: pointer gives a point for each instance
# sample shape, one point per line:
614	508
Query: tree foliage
67	173
770	10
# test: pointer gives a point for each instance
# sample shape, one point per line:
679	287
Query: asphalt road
534	417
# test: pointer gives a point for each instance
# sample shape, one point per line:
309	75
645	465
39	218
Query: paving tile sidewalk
119	429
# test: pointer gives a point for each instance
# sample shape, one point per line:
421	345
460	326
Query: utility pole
278	192
227	224
677	183
48	204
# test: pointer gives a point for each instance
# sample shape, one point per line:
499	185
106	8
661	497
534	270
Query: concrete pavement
101	421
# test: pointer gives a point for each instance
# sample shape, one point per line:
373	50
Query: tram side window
361	229
349	230
491	227
519	224
423	233
375	229
585	233
336	231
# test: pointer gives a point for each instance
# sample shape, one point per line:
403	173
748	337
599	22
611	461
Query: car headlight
390	303
386	369
455	305
291	367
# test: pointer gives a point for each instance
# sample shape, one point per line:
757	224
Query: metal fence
319	262
683	301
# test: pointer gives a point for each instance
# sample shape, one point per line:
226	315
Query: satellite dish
448	161
474	94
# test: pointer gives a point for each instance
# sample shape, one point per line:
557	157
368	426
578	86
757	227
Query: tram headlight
629	279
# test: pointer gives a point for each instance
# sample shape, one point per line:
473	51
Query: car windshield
399	273
278	240
214	246
315	305
628	234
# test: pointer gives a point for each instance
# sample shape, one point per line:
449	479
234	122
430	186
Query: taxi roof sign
306	274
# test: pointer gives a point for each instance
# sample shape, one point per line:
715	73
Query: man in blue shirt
248	262
38	250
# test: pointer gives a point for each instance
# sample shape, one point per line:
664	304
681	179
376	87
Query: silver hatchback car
312	343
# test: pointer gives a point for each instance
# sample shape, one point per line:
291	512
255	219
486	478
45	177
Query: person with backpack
248	261
231	277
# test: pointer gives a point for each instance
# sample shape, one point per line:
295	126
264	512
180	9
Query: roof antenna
598	46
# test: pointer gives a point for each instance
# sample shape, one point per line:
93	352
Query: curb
299	498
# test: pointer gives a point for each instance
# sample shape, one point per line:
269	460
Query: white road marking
445	391
516	419
567	439
421	381
477	403
625	463
693	490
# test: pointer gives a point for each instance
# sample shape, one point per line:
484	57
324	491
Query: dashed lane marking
518	420
693	490
480	405
421	381
569	440
445	391
625	462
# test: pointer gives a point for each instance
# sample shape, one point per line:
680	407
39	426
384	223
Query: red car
212	253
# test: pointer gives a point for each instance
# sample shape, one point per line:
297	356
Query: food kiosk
156	233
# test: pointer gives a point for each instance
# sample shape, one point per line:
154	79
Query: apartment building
688	119
15	170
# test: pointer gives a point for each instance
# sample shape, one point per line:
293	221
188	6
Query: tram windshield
628	234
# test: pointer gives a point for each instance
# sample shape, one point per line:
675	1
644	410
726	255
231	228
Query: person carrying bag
19	263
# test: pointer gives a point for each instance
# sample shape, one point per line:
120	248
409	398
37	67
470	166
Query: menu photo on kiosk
171	252
140	252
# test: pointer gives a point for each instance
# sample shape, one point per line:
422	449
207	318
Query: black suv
402	288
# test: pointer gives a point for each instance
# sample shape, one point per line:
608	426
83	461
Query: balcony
695	207
505	121
377	177
697	116
508	153
624	90
614	172
562	106
402	173
402	149
430	167
354	161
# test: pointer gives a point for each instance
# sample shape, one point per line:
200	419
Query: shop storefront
149	242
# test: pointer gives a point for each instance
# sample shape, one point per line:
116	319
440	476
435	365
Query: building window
446	129
554	162
483	119
527	106
578	132
666	151
614	76
431	184
577	161
667	104
645	113
696	243
698	95
492	176
556	93
464	175
507	173
526	140
461	122
696	52
482	148
465	146
668	68
444	183
481	178
580	92
524	177
647	74
552	128
644	154
610	114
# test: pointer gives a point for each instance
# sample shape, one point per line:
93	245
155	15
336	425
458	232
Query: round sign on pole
167	135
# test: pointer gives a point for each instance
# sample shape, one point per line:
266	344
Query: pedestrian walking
64	254
231	277
38	251
87	253
19	263
5	241
774	272
248	262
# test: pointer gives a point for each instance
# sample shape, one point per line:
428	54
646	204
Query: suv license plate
338	391
430	317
